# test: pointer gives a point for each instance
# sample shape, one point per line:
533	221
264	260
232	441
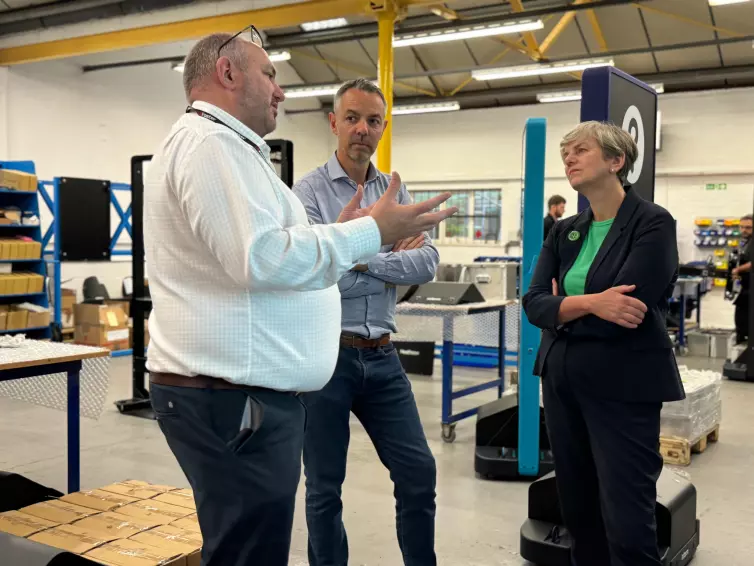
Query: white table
448	314
36	358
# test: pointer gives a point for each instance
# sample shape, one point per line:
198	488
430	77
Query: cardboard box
125	306
150	509
3	320
70	538
141	490
38	319
23	525
116	525
189	523
67	299
17	181
17	319
181	497
171	538
58	511
128	552
101	325
98	499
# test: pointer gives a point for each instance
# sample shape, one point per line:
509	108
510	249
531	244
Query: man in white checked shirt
246	307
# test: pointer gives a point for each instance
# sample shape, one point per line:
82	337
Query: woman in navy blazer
600	294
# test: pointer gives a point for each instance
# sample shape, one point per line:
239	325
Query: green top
575	279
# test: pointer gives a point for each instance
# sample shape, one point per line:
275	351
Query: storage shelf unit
27	202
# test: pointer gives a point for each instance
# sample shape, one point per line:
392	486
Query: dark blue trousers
607	463
371	383
241	453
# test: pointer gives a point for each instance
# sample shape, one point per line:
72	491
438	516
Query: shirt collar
336	171
234	123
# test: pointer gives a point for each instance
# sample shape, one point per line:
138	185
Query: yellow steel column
385	73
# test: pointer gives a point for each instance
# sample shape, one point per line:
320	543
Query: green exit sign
717	186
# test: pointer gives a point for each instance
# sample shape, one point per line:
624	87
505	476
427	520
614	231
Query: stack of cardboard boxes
25	315
102	325
131	523
19	248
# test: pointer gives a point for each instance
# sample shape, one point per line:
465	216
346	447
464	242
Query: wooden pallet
677	451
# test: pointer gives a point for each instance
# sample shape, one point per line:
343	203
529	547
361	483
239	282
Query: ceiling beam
498	13
591	15
560	27
284	15
688	20
462	70
529	39
527	94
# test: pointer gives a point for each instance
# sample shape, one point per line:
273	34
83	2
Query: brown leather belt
355	341
196	382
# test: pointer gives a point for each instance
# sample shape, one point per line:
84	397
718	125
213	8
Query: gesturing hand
353	209
614	306
409	243
397	221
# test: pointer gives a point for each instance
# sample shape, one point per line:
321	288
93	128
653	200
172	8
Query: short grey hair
201	60
613	140
364	85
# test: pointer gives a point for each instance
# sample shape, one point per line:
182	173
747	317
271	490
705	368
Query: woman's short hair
613	140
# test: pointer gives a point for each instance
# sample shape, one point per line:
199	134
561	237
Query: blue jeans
371	383
241	453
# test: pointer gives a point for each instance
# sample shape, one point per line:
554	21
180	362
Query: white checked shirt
243	287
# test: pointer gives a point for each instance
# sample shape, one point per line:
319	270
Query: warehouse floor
477	521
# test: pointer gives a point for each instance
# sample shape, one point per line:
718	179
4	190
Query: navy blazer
605	358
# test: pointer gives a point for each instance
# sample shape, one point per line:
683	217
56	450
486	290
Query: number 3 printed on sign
634	125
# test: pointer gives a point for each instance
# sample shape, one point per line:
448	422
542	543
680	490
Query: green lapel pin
574	235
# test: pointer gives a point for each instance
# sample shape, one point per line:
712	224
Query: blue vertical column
532	229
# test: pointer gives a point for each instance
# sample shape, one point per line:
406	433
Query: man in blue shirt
368	379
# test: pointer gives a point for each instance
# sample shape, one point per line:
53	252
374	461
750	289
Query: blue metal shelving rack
27	202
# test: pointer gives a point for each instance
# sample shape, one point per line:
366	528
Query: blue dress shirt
367	298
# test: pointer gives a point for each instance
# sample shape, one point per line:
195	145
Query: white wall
706	138
89	125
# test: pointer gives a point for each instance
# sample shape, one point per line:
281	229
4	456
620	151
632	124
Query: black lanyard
217	120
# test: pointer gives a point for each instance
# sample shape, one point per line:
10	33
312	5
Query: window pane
487	208
421	196
457	226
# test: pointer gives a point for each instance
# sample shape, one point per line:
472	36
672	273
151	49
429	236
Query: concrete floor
477	521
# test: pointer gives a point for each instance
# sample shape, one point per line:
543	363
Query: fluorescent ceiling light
536	70
571	95
566	96
279	56
724	2
324	24
424	108
466	33
311	91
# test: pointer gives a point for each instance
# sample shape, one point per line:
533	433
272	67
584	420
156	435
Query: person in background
743	273
246	305
600	294
556	209
369	380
